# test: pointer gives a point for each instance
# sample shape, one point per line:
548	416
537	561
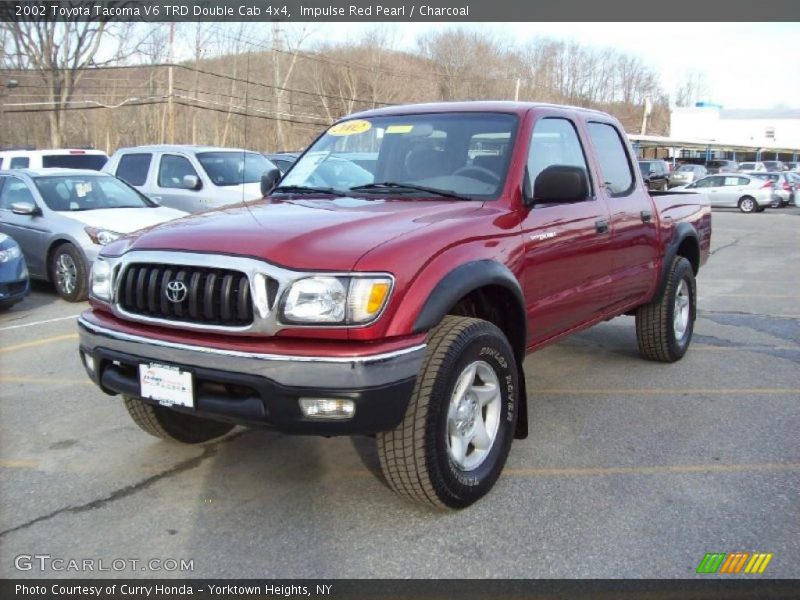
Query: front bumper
261	389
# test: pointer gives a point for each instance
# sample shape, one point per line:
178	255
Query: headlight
335	300
10	253
101	236
101	280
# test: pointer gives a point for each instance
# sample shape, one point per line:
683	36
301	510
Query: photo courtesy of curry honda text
397	297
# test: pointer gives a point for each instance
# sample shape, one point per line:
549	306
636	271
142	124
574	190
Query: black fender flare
467	278
683	231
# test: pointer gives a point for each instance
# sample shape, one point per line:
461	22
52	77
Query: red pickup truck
391	284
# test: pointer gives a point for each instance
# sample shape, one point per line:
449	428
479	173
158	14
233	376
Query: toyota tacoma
391	284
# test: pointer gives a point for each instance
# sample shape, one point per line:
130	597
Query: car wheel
747	204
664	327
455	437
68	272
171	425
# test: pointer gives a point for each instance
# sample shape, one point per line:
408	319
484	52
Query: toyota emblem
176	291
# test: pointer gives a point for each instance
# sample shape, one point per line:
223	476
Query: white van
62	158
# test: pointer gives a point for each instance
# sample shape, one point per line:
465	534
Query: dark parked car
720	165
655	174
282	160
14	283
775	166
686	174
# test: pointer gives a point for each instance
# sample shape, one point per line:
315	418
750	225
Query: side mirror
25	208
561	184
192	182
269	180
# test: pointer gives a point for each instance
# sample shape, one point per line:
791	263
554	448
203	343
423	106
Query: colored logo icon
734	563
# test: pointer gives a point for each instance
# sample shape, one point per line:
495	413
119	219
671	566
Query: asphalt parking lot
632	469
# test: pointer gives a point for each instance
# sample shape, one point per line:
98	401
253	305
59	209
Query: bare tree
691	89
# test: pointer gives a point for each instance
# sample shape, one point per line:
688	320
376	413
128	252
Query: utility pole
170	88
648	108
276	81
516	90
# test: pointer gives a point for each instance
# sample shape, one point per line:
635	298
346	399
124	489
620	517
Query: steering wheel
481	174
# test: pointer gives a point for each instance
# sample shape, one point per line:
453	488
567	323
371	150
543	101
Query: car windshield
687	169
746	166
87	192
465	154
645	167
234	168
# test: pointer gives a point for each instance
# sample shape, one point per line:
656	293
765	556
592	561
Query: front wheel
664	327
69	273
747	204
453	442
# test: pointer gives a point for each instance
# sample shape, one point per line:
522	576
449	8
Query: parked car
793	166
747	192
686	174
655	174
67	158
775	166
749	167
62	217
402	307
783	187
14	283
720	165
191	178
282	160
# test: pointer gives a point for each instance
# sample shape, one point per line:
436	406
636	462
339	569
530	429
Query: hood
124	220
314	234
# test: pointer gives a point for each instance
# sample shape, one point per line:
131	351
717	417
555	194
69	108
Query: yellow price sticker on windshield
350	127
399	128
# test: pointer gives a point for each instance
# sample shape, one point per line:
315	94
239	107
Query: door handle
601	226
646	216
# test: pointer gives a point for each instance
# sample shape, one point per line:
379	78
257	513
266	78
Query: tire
658	332
748	204
417	458
69	274
171	425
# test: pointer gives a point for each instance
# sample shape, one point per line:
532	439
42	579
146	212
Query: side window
555	142
20	162
14	190
133	168
172	170
614	162
743	181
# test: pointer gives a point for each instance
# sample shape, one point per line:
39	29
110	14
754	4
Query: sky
745	65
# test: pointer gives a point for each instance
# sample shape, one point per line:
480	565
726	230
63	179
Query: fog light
88	362
327	408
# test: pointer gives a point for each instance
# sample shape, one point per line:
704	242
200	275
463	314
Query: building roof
759	113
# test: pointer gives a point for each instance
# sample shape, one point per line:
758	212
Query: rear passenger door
133	169
567	250
632	217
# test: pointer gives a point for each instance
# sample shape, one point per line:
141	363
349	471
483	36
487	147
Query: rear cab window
615	164
19	162
94	162
133	168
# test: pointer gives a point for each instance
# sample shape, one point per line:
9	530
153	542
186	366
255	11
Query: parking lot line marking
667	392
653	470
10	327
42	380
19	463
42	342
742	348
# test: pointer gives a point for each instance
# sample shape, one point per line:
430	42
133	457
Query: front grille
208	296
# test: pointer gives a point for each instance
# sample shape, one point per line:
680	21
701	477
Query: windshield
645	167
234	168
462	153
746	166
82	192
687	169
93	162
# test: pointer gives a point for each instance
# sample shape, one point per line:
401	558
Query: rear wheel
664	327
747	204
454	440
171	425
68	271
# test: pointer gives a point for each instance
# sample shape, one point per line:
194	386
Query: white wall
736	127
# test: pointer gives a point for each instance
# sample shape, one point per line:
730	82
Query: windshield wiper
304	189
392	185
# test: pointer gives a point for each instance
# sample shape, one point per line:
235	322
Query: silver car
784	187
686	174
745	192
62	217
191	178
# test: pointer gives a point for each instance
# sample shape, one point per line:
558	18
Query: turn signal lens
367	297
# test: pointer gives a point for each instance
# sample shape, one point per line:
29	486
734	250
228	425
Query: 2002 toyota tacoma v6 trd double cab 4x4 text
398	296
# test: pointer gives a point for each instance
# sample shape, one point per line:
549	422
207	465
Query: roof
183	147
53	172
75	151
758	113
502	106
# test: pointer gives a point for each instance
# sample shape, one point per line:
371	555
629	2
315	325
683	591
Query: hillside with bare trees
275	88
